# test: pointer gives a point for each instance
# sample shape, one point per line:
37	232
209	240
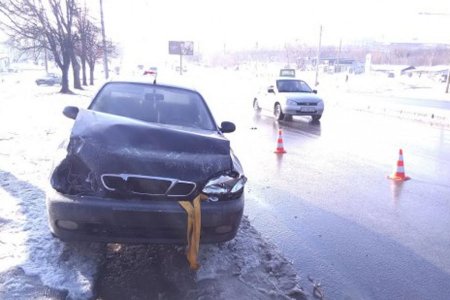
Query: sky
144	27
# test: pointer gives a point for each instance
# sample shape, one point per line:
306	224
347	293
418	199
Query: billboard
181	47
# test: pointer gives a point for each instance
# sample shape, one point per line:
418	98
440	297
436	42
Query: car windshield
155	104
293	86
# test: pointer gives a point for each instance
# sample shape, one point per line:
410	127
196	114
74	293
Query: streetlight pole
448	80
318	57
105	54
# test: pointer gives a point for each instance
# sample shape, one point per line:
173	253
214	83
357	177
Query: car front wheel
279	115
278	112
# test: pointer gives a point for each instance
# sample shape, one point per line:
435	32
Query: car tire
256	107
278	113
316	118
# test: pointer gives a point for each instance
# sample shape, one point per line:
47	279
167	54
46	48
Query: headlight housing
290	102
226	186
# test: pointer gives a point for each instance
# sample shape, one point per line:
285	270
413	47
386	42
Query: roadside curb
435	117
427	115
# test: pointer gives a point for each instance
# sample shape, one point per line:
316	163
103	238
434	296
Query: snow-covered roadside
32	263
344	94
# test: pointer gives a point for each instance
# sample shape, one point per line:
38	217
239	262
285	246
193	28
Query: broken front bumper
100	219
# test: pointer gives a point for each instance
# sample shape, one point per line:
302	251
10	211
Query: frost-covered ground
34	265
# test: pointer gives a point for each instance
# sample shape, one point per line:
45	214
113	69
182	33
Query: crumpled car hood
102	143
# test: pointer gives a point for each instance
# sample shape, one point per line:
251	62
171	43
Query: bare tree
95	48
82	25
38	24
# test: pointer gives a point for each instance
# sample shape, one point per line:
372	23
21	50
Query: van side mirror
314	91
71	112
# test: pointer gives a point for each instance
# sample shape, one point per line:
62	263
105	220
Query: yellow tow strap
194	224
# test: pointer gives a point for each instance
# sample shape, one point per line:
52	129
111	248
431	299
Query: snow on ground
32	263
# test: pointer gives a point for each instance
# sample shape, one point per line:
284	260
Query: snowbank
32	263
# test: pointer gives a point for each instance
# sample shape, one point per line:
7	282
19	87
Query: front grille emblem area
147	185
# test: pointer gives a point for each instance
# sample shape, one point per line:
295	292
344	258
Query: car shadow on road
298	124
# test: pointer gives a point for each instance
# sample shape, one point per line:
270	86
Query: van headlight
230	184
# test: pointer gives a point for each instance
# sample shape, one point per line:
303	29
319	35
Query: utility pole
105	54
256	60
318	57
338	64
181	62
46	60
448	80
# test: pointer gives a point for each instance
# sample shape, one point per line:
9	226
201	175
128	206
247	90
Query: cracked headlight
225	184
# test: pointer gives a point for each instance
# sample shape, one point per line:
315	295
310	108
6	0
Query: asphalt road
329	207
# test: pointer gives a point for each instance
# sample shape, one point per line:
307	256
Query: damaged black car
133	154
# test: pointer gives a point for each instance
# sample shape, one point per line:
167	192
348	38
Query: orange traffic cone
399	173
280	148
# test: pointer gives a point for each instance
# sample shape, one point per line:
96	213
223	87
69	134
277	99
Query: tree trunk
83	70
76	72
91	74
65	74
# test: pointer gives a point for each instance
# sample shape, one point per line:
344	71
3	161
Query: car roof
150	80
286	78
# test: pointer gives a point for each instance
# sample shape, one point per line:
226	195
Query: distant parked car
286	97
49	79
151	71
287	73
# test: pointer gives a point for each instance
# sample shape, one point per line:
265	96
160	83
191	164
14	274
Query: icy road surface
34	265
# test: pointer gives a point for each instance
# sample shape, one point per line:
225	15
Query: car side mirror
314	91
227	127
271	90
71	112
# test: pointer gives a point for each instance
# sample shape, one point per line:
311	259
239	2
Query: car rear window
156	104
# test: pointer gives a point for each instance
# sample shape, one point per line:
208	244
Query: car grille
147	185
307	103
